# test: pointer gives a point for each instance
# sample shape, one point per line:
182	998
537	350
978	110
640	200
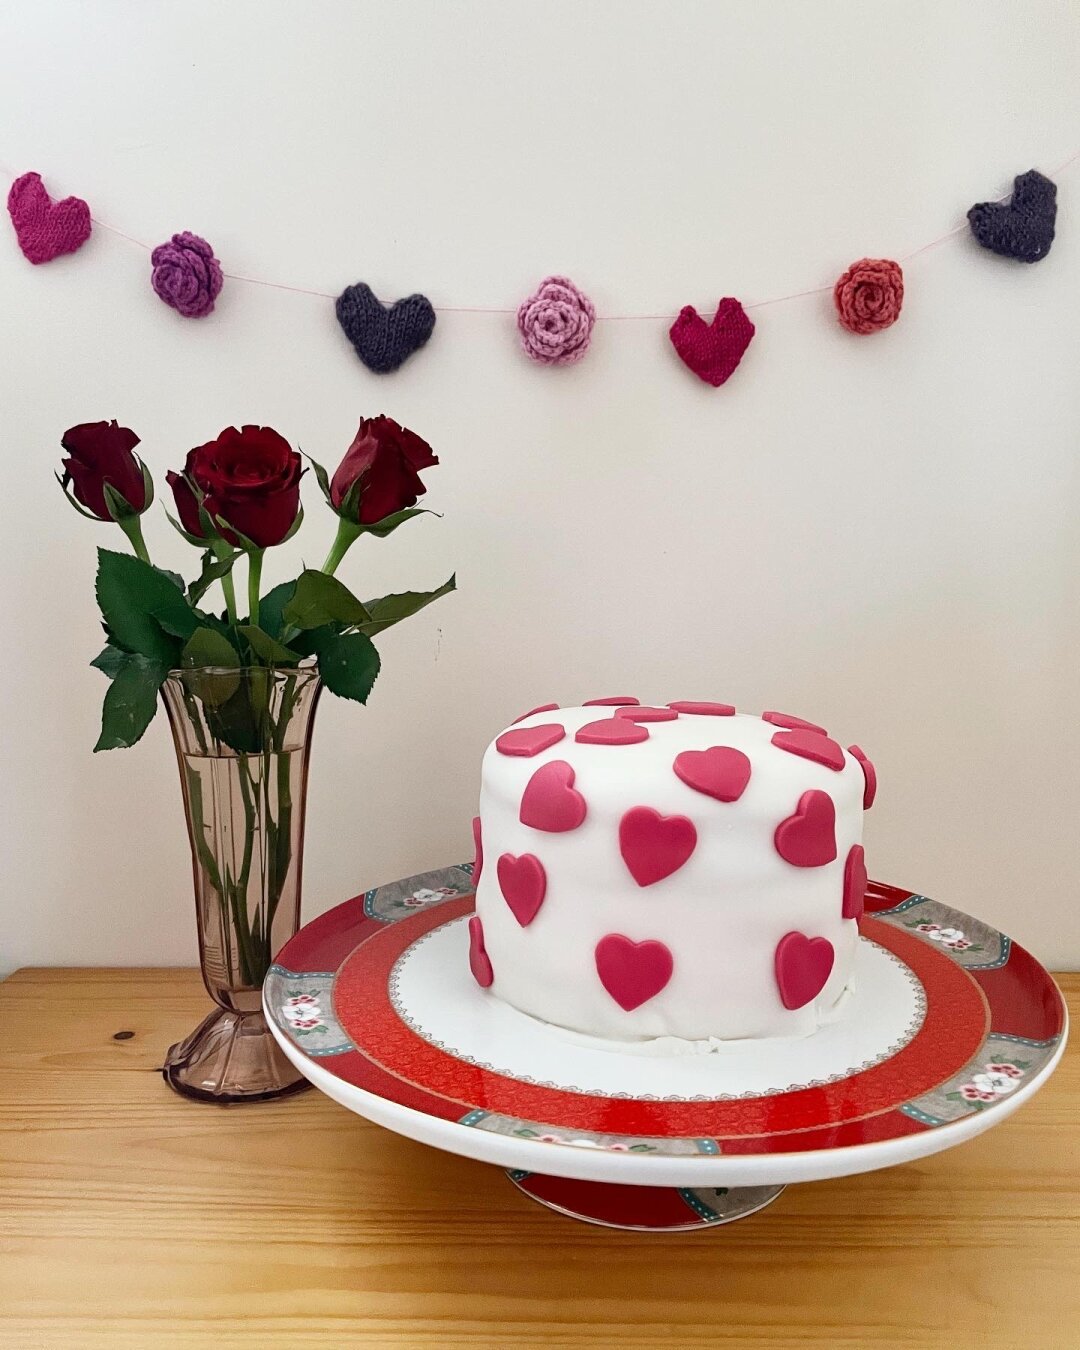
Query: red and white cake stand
949	1029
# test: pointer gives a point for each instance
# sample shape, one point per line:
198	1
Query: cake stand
951	1027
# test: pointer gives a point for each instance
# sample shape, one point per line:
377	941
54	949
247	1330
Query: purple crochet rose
556	323
186	274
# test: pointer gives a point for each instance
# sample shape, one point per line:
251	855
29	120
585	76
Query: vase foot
231	1057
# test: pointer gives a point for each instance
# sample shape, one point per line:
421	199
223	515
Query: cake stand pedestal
950	1028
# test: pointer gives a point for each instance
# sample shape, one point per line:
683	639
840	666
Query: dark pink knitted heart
712	350
45	228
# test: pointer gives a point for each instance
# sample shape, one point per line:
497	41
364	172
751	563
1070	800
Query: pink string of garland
600	318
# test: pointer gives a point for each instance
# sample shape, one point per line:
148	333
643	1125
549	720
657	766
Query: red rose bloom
869	295
100	453
187	504
250	480
384	458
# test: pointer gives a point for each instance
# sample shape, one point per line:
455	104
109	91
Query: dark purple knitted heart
384	335
1023	227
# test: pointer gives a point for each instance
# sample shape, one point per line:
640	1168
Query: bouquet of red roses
237	496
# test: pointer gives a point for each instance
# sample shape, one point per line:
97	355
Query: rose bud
187	504
250	480
379	474
99	456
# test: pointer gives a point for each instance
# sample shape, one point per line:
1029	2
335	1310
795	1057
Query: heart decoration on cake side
803	967
384	336
479	961
790	723
478	856
712	350
550	801
854	883
811	745
808	838
528	741
544	707
1023	227
523	883
44	228
612	731
721	771
654	846
869	774
632	972
704	709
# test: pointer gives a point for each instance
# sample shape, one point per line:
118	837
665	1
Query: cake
679	871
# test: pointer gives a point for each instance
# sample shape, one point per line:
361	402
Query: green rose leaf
389	524
131	701
110	661
213	569
391	609
348	664
205	651
320	599
268	649
142	607
271	606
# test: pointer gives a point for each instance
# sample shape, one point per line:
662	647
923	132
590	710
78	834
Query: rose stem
347	534
133	529
255	561
221	551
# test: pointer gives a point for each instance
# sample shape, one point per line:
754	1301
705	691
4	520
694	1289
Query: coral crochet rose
556	323
869	295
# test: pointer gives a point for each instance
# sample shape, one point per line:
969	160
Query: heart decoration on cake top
869	773
647	714
479	961
544	707
721	771
803	967
612	731
550	801
611	702
1023	227
712	350
478	857
523	883
704	709
45	228
384	336
808	837
811	745
654	846
790	723
632	972
529	741
854	883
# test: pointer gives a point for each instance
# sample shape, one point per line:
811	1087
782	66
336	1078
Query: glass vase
242	741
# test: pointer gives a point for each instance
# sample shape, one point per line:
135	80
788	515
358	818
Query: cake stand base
648	1209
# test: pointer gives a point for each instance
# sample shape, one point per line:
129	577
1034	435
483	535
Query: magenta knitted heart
712	350
45	228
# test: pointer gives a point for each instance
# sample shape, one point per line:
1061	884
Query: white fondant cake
677	872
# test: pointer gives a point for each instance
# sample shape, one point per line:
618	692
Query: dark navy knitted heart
1022	228
384	335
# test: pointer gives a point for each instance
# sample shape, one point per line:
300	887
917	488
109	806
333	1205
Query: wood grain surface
131	1219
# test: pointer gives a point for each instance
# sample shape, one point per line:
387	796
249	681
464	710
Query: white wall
881	533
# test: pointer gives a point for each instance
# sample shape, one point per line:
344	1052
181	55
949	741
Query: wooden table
131	1219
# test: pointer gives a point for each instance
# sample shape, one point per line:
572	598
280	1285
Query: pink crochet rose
869	295
556	323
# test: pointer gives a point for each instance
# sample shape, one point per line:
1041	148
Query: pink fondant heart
808	838
779	719
854	883
550	800
704	709
478	859
803	966
810	745
712	350
632	972
653	846
523	883
647	714
611	731
529	741
720	771
544	707
869	774
479	961
617	702
45	228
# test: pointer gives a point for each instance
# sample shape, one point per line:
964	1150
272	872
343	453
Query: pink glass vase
242	741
